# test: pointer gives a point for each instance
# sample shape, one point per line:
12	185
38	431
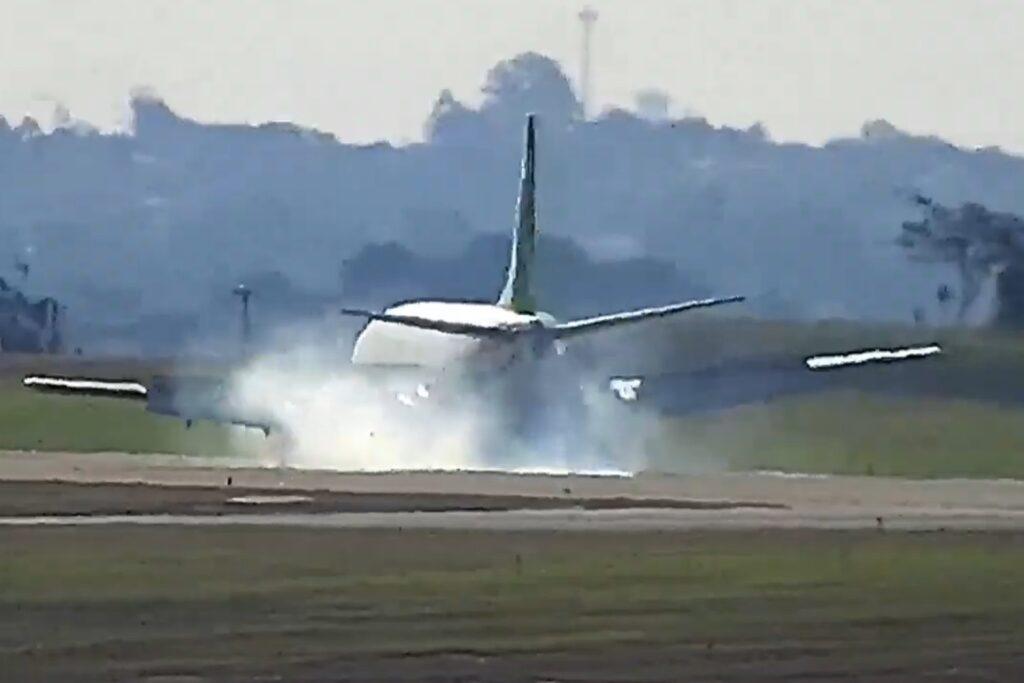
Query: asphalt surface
892	519
495	500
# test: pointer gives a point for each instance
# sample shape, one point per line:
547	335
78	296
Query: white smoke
328	415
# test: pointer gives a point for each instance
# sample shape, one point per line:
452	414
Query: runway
888	519
104	489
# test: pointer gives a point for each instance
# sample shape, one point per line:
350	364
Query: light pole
588	17
244	294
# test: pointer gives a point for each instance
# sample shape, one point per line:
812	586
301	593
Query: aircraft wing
449	327
842	360
576	327
184	397
87	387
725	386
204	397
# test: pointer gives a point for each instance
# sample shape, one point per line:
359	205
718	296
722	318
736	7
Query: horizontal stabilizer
87	387
841	360
446	326
600	322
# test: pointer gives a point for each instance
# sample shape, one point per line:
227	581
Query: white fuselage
389	344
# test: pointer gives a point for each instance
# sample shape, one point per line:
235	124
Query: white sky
370	69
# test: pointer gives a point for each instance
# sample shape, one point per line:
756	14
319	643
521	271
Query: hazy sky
370	69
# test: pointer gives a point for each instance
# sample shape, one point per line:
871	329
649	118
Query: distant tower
244	293
588	17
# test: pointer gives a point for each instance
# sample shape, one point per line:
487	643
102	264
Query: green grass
221	598
844	432
682	343
960	415
850	433
47	422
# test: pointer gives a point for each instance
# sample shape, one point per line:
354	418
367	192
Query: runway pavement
887	519
746	500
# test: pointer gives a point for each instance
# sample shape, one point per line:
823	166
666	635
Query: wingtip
841	360
83	385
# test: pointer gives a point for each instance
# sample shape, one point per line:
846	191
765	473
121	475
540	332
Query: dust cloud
327	415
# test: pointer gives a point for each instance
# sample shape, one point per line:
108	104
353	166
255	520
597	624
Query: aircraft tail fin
518	294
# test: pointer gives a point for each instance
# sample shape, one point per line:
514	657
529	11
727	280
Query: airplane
509	351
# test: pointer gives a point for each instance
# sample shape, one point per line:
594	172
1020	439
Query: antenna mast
588	17
244	293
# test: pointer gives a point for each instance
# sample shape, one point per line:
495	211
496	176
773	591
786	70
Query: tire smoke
328	415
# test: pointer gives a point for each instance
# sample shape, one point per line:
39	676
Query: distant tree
529	83
451	122
1010	293
944	295
161	218
980	244
653	104
568	282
